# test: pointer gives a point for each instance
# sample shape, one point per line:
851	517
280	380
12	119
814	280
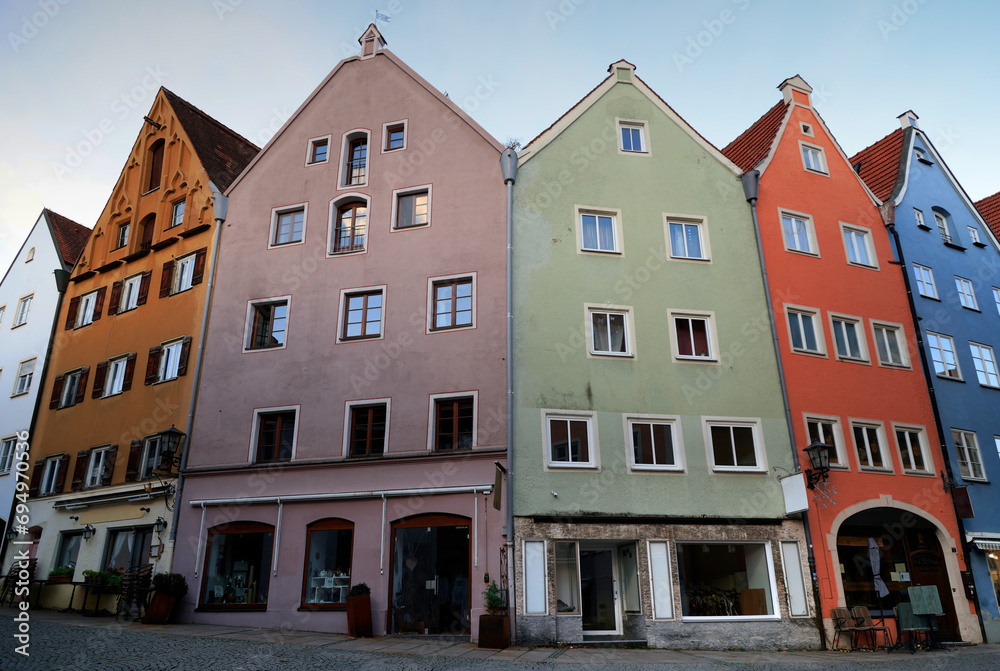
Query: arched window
147	228
326	579
155	161
349	228
238	566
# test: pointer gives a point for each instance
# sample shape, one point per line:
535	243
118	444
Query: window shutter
100	375
199	266
74	305
144	287
134	455
82	387
129	370
57	387
99	302
153	365
116	296
109	465
36	478
167	278
61	475
80	470
182	362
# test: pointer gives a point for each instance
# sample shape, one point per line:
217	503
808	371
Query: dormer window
354	168
813	159
922	157
974	235
633	137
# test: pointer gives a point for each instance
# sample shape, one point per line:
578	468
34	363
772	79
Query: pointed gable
70	236
754	144
371	41
989	208
879	164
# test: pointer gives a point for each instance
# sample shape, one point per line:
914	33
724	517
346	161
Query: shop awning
985	544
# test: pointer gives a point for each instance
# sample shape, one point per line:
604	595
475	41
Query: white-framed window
966	294
7	453
23	311
849	338
986	364
536	578
130	293
890	344
152	456
913	454
970	463
654	442
170	358
609	330
85	313
925	281
693	335
115	381
996	299
921	156
50	476
31	255
393	136
633	137
570	439
348	229
362	314
366	427
687	237
919	216
266	324
795	583
661	582
96	465
799	233
411	207
805	330
704	565
858	245
974	235
599	231
869	443
942	224
274	433
176	214
72	388
453	421
25	373
184	273
826	430
318	150
734	443
354	158
3	309
288	225
451	302
943	355
813	158
122	239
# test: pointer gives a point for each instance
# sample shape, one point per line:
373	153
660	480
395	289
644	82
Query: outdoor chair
866	625
843	623
134	590
10	580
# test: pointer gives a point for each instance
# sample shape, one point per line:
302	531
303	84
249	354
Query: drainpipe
751	186
508	166
220	203
888	212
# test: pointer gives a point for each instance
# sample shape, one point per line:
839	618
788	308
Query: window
354	170
155	166
986	365
394	136
152	457
925	281
122	239
726	580
806	129
184	275
568	439
362	315
68	388
826	430
610	333
412	208
633	136
99	467
662	584
288	226
911	449
53	475
368	429
25	372
453	303
168	361
868	443
237	566
996	299
117	372
922	157
805	331
942	224
686	240
7	454
890	344
966	295
692	336
795	584
849	339
734	445
85	314
799	233
535	578
599	232
327	578
147	228
974	235
319	150
857	242
567	578
132	294
127	548
3	309
970	464
267	324
812	158
350	228
919	216
176	214
943	355
69	548
653	443
31	255
275	436
454	424
22	312
179	275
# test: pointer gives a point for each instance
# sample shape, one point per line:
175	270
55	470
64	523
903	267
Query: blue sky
76	77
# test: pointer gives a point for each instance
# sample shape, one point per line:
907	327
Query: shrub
62	572
360	590
173	584
492	598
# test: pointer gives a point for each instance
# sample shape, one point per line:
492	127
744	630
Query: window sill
411	227
923	227
802	252
866	266
979	244
155	188
949	377
109	266
883	471
989	386
926	474
360	338
345	252
269	348
655	468
847	359
601	252
163	244
819	355
613	355
83	276
740	470
954	246
20	393
196	230
562	465
973	309
731	618
695	259
817	172
975	481
135	256
695	359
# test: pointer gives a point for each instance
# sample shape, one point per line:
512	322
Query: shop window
795	585
328	564
535	579
237	566
69	548
127	548
659	575
726	580
567	578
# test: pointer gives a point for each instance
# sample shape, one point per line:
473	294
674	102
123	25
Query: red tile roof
754	144
70	236
989	207
223	152
879	164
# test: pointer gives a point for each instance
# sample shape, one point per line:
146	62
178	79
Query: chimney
796	85
908	119
371	41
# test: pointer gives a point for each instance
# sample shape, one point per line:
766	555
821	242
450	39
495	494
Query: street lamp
819	459
171	441
88	532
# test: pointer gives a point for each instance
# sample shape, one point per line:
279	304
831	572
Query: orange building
118	402
853	372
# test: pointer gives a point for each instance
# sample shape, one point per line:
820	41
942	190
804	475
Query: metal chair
866	625
843	623
10	581
134	590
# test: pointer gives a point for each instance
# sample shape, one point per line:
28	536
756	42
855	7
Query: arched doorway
910	554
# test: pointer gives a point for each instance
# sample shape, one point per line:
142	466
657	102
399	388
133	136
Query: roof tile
989	207
878	164
70	236
754	144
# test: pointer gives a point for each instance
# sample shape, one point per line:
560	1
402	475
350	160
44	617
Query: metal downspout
751	185
508	167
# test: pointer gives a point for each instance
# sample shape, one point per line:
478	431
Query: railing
348	239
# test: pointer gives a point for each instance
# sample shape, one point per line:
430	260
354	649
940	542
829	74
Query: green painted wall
553	282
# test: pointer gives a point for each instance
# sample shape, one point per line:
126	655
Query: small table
927	605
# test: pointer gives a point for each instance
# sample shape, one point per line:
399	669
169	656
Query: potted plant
61	574
359	611
494	628
168	589
94	577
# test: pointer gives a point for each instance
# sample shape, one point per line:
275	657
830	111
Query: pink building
352	403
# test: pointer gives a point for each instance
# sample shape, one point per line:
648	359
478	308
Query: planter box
359	616
494	631
60	578
160	608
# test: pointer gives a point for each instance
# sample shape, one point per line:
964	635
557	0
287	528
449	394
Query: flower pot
359	616
494	631
94	580
160	608
60	578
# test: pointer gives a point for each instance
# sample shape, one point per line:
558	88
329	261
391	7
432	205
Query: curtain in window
607	233
121	550
617	327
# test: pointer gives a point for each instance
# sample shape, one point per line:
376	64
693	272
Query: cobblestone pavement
74	643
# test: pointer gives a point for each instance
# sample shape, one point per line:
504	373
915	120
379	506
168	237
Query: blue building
952	263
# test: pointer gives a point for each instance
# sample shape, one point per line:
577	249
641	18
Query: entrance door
927	568
430	576
599	590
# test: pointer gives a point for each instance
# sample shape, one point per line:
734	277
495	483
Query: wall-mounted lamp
11	535
88	532
819	458
171	441
159	525
144	509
